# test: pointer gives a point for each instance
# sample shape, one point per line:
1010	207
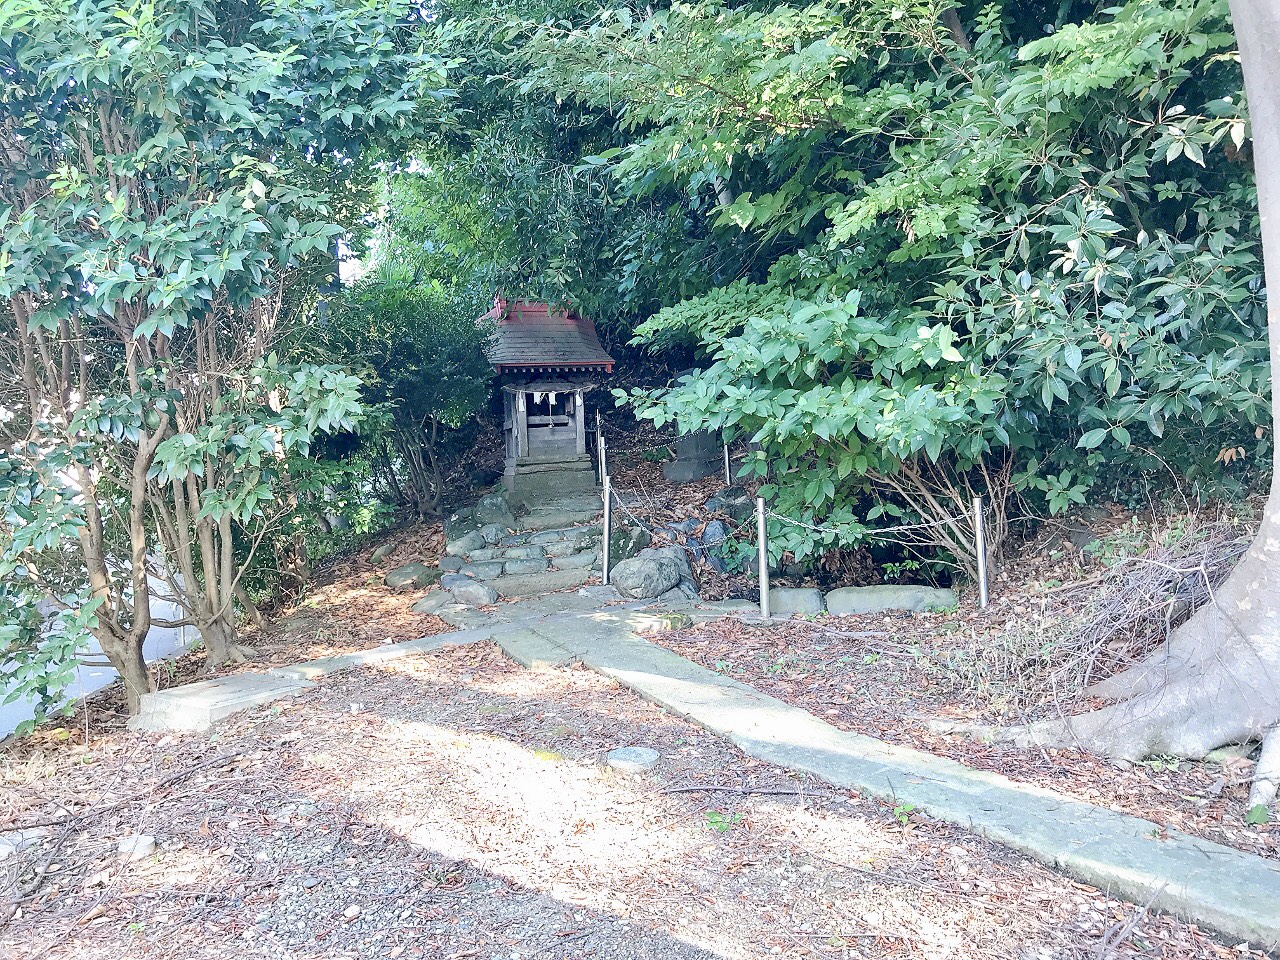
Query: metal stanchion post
608	529
763	536
980	542
728	481
600	445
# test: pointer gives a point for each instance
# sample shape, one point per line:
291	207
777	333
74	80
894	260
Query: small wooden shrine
547	360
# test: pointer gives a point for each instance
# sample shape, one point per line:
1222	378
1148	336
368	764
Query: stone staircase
554	546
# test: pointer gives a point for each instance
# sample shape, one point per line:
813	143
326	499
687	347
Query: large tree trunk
1218	679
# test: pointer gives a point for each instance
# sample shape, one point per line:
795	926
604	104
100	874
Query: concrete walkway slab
198	706
1233	892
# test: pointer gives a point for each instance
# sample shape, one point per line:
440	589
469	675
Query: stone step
566	534
584	560
536	584
555	519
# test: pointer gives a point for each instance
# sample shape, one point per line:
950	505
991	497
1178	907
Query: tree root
1266	777
233	653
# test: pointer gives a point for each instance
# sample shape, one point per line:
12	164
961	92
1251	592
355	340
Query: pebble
137	847
632	759
351	912
310	883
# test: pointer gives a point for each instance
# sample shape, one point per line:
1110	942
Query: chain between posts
868	533
978	517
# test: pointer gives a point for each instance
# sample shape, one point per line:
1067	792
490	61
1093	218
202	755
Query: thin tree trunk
126	658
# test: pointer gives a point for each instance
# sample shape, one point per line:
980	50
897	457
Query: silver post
980	541
608	530
727	480
600	445
763	536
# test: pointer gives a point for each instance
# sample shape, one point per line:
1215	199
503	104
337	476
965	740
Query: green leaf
1093	438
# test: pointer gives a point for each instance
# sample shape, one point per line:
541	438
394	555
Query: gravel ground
453	805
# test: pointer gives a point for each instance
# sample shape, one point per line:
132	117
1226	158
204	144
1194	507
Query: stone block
627	542
524	553
886	597
487	570
789	600
459	523
493	508
536	584
520	568
560	548
452	564
199	706
577	561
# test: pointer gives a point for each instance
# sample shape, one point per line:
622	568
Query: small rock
715	532
310	883
493	532
351	912
493	508
18	840
450	564
433	602
137	847
381	553
410	575
464	545
474	593
632	759
734	502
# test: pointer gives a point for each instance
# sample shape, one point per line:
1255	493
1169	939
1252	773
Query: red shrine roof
533	336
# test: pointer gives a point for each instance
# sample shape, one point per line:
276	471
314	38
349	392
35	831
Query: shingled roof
532	336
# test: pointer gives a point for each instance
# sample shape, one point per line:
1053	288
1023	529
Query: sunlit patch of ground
454	805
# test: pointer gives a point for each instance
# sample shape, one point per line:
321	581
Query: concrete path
1235	893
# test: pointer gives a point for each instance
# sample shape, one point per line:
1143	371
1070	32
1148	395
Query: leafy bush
419	350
